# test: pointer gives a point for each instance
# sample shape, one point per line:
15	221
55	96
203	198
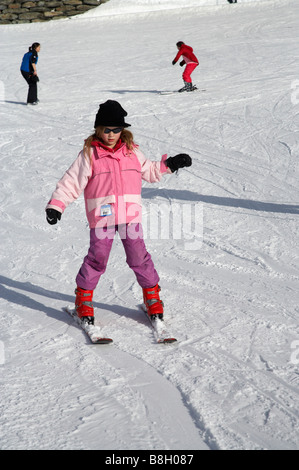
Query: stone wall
30	11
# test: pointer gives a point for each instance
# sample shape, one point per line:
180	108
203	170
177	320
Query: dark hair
34	46
180	43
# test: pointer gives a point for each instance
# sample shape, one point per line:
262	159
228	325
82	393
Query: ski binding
162	335
174	92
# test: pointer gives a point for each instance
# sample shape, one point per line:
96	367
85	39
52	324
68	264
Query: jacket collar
99	144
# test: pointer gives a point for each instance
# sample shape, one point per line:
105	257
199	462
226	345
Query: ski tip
69	309
102	341
167	340
164	93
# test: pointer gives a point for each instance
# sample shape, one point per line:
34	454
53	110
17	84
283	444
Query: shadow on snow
185	195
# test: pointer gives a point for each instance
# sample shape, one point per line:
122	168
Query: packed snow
223	233
121	7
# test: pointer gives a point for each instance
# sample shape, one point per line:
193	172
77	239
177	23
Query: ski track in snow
230	382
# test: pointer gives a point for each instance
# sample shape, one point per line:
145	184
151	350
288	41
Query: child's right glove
179	161
52	216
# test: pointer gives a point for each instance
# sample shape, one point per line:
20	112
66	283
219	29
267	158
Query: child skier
109	169
191	62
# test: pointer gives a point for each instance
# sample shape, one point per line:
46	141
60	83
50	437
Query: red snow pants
187	72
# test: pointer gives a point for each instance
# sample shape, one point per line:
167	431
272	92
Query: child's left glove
52	216
179	161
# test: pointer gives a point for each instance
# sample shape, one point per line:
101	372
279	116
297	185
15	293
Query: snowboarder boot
152	302
83	305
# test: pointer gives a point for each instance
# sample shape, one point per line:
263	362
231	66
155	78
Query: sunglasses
115	131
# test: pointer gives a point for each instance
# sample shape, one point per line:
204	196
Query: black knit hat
111	113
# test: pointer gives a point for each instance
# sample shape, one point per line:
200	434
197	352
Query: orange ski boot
152	302
83	305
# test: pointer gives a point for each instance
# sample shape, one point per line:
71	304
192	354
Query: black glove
173	62
179	161
34	78
53	216
182	63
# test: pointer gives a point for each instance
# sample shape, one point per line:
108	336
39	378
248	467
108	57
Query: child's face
109	137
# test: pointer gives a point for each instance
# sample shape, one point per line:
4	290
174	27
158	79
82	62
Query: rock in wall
21	11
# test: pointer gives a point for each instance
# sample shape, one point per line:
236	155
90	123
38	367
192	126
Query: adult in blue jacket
29	72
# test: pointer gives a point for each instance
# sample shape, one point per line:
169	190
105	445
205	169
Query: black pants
32	82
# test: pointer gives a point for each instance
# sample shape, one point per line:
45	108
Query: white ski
174	92
93	331
162	335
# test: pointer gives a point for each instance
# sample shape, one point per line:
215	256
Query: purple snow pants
138	259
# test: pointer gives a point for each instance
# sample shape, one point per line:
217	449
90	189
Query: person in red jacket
191	62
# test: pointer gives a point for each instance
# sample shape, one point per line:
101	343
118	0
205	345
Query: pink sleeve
71	184
152	172
163	167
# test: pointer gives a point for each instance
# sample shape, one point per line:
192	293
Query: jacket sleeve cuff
55	204
163	167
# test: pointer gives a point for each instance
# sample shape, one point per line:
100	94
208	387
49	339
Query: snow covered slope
121	7
230	285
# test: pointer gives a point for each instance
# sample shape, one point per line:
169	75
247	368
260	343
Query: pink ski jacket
111	181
